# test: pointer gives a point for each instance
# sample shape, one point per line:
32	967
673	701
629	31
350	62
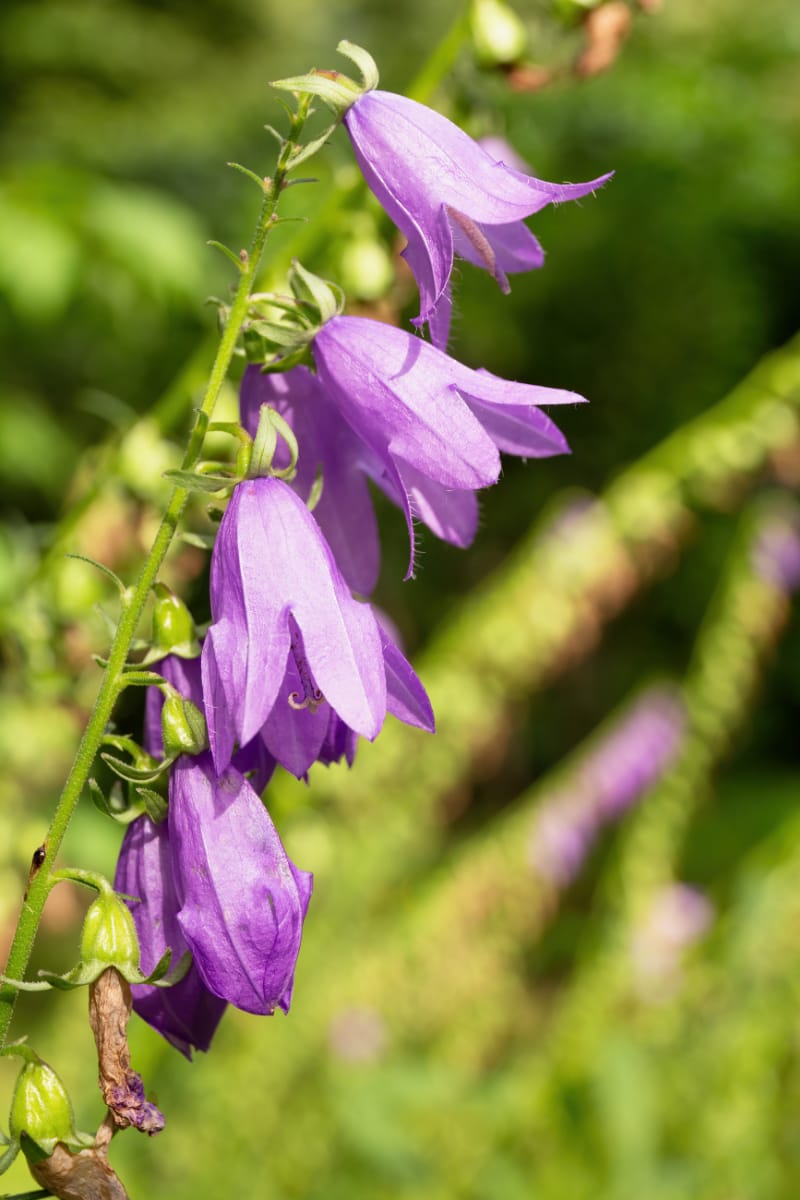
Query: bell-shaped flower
344	511
448	196
242	901
300	734
186	1014
433	428
284	621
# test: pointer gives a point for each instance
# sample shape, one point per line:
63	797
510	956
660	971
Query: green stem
133	606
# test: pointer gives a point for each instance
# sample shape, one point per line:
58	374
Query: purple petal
186	1014
242	901
514	248
295	735
525	431
452	515
344	512
271	562
408	700
398	394
420	150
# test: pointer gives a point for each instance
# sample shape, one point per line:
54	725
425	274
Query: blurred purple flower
186	1014
611	777
431	429
677	917
448	196
776	552
242	900
287	628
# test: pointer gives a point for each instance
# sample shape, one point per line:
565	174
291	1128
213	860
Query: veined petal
397	393
344	512
242	901
522	430
451	514
186	1014
408	700
271	563
421	151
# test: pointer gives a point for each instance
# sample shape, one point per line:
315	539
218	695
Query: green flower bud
173	628
109	934
498	35
40	1107
183	726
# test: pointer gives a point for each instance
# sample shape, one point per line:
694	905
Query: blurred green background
467	1023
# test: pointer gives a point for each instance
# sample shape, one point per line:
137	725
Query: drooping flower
242	901
432	426
448	196
344	512
286	628
186	1014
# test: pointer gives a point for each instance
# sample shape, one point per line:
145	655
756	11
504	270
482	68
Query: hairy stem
133	605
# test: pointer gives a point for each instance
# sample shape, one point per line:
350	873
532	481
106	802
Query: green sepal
335	90
326	297
153	804
136	774
9	1154
364	61
192	481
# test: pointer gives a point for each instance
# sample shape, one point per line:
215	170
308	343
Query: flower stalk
114	680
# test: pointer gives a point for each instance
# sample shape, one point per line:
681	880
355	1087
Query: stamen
311	697
480	243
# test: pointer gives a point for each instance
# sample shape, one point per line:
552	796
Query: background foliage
463	1025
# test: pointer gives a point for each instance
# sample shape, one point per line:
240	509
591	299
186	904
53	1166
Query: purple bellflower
289	646
432	429
242	900
448	196
612	777
186	1014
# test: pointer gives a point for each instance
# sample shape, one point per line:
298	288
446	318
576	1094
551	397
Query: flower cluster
296	664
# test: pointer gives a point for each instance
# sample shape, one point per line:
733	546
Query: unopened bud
109	934
183	726
498	34
41	1107
173	628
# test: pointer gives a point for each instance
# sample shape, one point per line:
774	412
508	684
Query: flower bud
40	1107
173	628
498	35
183	726
109	934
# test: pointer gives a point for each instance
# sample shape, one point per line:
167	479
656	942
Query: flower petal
344	512
186	1014
523	430
242	901
408	700
451	514
397	393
